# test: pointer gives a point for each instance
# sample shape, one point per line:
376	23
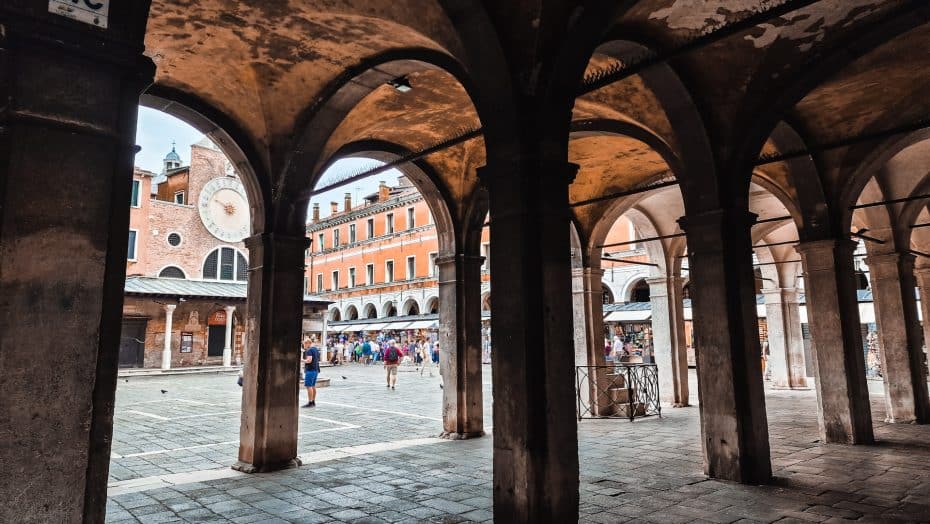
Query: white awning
421	324
629	316
399	325
375	327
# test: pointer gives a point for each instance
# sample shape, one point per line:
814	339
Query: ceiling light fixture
401	83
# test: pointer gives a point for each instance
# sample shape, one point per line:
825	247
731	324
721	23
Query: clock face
224	209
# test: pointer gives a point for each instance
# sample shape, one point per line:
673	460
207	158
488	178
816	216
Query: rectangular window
411	218
486	253
352	239
131	254
179	197
351	277
370	274
136	189
389	271
411	268
335	238
370	228
227	263
389	224
335	280
319	283
322	239
432	264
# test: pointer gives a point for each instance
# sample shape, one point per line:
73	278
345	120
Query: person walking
368	353
311	371
391	362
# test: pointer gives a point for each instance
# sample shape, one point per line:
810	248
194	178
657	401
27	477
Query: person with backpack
392	358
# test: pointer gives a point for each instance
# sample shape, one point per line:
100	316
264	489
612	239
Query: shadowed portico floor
384	466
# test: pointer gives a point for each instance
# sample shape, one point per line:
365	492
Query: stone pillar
923	284
274	315
166	350
786	343
535	426
668	339
839	365
67	134
588	322
227	349
726	339
460	340
893	292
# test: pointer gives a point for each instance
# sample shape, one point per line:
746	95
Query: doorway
216	341
132	343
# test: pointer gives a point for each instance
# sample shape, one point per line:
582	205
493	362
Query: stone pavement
370	456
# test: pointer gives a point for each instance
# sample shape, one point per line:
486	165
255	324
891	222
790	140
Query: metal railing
621	390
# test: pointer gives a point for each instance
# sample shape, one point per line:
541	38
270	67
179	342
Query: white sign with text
93	12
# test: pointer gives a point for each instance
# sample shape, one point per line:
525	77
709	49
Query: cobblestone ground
370	456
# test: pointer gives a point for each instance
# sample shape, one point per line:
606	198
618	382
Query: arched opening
608	295
639	292
411	307
432	306
351	313
335	315
370	311
388	310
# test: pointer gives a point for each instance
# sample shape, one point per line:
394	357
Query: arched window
225	263
607	295
172	272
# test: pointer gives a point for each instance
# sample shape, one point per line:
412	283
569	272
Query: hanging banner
92	12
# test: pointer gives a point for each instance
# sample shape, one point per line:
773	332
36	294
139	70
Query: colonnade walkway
370	456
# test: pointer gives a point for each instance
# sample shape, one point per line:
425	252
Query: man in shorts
392	358
311	371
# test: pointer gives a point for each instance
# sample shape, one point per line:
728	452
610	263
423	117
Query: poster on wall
187	342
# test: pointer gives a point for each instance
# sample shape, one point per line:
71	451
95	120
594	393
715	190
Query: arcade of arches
771	135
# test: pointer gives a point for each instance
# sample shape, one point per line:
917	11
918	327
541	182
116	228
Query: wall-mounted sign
218	318
187	342
93	12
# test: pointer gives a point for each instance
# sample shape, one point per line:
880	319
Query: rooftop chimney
316	212
384	192
334	207
348	202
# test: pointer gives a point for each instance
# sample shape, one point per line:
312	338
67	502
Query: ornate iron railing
621	390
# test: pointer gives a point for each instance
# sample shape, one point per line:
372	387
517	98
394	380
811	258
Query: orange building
377	261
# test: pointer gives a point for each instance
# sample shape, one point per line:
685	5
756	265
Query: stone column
726	339
588	322
460	340
274	315
839	365
923	284
668	339
166	350
67	135
535	426
893	292
786	344
227	349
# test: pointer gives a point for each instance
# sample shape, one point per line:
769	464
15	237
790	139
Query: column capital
170	307
706	231
890	265
821	255
230	309
780	295
588	272
923	276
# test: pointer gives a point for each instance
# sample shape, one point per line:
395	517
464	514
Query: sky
156	131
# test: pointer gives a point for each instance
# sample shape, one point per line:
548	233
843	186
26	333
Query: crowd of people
372	349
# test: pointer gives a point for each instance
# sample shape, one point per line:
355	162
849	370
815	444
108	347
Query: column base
461	436
681	405
245	467
892	420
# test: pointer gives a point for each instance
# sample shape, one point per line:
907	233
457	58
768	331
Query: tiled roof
179	287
